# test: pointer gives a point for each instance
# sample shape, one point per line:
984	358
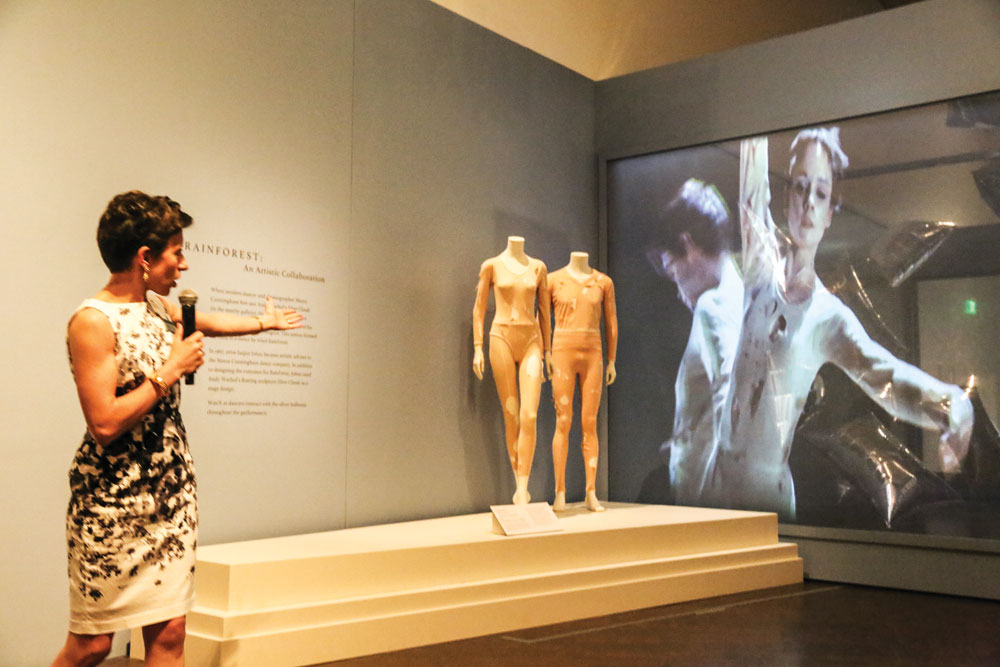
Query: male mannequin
578	294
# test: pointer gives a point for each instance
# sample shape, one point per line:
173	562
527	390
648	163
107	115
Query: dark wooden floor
810	624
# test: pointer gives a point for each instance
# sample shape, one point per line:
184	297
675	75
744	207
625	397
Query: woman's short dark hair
134	219
699	211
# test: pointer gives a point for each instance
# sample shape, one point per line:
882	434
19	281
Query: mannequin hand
478	363
610	375
287	318
548	364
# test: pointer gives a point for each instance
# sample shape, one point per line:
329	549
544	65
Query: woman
518	340
792	326
132	521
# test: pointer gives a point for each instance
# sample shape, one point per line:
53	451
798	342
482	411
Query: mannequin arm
479	314
544	300
610	331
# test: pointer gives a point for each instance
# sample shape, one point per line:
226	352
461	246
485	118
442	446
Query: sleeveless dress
132	522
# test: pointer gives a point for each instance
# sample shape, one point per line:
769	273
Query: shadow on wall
482	431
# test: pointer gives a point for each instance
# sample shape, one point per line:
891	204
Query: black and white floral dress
132	522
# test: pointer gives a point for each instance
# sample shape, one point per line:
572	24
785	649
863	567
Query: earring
145	275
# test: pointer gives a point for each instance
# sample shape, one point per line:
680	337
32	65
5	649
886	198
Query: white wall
388	146
241	112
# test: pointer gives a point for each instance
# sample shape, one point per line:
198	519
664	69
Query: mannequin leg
530	375
591	386
563	386
505	376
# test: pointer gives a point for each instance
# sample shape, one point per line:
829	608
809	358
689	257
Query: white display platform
314	598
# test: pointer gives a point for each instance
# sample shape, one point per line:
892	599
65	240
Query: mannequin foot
593	504
521	495
559	504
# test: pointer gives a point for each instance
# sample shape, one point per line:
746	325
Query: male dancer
690	245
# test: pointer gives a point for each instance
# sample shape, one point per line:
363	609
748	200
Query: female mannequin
517	340
578	293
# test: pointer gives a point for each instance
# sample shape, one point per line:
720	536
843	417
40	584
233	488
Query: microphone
188	298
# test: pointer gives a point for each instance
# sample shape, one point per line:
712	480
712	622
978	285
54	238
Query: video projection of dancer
132	520
690	246
579	294
518	340
792	325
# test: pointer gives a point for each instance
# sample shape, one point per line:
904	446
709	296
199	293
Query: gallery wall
927	51
461	139
243	116
384	147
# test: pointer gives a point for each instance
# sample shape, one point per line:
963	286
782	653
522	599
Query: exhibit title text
224	251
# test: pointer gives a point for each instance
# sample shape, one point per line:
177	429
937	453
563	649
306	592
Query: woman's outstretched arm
228	324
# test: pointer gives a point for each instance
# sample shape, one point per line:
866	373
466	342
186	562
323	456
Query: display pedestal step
305	599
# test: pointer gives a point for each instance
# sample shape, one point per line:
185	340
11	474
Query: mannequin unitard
518	339
578	293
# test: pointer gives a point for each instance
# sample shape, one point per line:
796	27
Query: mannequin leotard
517	341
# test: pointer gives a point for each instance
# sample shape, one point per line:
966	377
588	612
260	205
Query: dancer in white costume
792	325
690	246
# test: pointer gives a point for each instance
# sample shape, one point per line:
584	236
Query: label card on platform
524	519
